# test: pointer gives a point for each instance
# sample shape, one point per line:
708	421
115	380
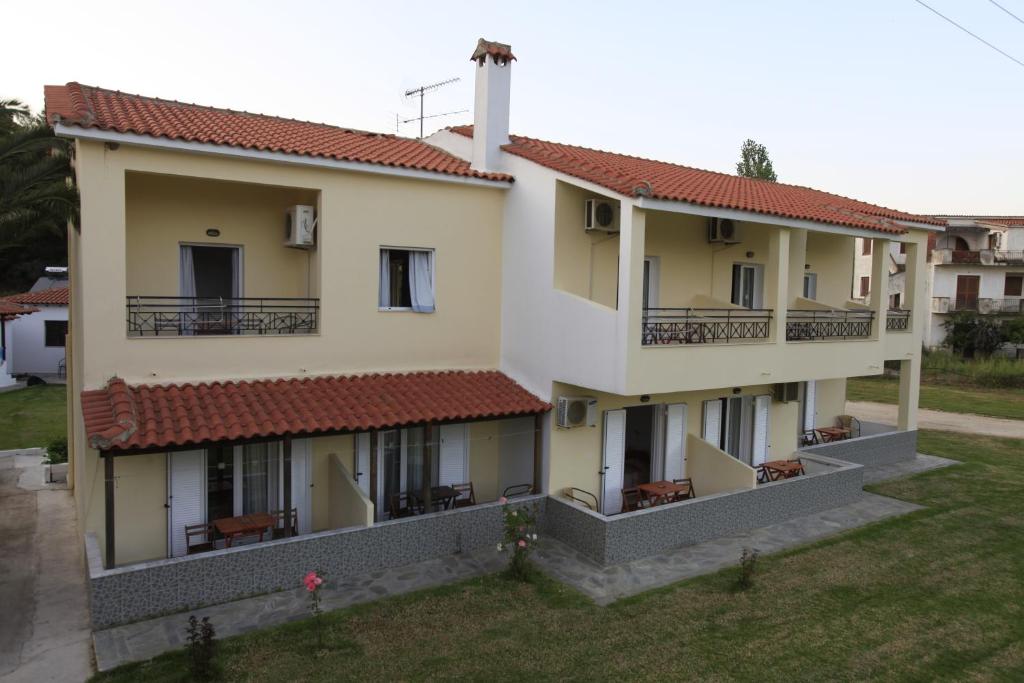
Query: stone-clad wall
125	594
629	536
880	449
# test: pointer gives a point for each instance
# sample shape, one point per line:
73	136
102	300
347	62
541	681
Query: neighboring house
977	265
410	332
9	311
35	342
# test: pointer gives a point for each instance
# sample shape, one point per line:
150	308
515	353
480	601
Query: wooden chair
851	423
517	490
809	437
199	538
581	497
278	531
632	499
466	495
689	492
400	505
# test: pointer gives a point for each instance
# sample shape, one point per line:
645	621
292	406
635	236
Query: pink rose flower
522	543
503	500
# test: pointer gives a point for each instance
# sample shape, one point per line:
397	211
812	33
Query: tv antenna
420	92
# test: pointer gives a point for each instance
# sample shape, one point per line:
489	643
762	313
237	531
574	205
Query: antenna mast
420	92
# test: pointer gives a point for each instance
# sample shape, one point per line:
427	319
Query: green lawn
934	595
1007	403
32	416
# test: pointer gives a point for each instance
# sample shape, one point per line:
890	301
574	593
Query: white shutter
362	462
809	407
302	479
761	405
614	459
713	422
454	459
187	491
675	441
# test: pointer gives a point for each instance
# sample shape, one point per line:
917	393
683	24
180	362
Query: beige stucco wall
830	401
716	470
484	443
576	454
348	506
586	264
830	257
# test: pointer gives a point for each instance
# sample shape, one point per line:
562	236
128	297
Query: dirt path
937	419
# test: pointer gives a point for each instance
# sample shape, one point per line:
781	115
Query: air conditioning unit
722	231
300	229
601	215
577	411
790	391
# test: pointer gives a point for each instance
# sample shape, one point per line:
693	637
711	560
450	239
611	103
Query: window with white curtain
406	280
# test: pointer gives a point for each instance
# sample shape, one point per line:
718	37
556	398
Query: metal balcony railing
832	324
1015	257
174	316
897	320
704	325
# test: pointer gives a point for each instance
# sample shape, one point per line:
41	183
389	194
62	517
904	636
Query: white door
453	466
760	451
809	407
810	285
302	482
186	492
614	460
675	441
712	432
362	463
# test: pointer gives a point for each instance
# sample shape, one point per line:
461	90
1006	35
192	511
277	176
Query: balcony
983	257
823	325
984	306
704	325
172	316
897	321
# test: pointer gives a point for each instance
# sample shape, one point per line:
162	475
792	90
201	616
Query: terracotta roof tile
58	296
121	417
75	104
635	176
10	310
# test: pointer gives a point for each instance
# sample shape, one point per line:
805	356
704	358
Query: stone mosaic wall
131	593
880	449
629	536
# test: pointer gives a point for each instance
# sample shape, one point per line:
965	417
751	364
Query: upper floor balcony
198	316
982	257
983	305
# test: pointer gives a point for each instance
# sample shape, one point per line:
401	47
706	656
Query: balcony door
967	292
748	285
209	280
738	425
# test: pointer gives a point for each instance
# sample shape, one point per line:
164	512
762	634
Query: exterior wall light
213	232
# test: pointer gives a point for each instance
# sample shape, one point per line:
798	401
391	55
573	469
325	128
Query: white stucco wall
27	352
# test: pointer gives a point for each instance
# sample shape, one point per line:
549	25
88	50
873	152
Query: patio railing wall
804	325
175	316
704	325
897	320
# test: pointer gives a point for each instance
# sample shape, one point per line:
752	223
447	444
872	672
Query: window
903	247
747	285
865	285
967	292
866	248
406	280
55	332
1014	284
810	285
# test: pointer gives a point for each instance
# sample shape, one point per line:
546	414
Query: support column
797	261
538	452
429	456
878	298
108	504
373	473
286	465
915	294
910	390
632	235
776	281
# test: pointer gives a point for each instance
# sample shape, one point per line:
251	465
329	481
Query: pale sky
880	100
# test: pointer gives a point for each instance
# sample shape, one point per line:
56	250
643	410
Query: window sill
398	309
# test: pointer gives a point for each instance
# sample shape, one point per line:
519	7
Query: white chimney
490	107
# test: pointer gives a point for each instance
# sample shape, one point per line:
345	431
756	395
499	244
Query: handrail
897	320
191	316
810	325
703	325
573	494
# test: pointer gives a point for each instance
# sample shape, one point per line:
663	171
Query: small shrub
748	566
201	647
57	451
520	538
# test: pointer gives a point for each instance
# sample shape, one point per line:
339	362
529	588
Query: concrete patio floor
147	639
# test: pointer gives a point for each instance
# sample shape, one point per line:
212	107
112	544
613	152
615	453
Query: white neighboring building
34	343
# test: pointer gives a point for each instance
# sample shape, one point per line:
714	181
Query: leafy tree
970	334
1013	330
754	162
37	198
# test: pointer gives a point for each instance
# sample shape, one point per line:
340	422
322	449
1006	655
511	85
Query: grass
934	595
1008	403
943	367
32	416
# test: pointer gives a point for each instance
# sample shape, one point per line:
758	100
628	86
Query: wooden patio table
782	469
445	495
245	525
659	492
830	434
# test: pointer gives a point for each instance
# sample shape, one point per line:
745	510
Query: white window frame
433	275
811	278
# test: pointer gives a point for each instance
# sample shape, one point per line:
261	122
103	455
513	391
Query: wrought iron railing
897	320
828	324
175	316
704	325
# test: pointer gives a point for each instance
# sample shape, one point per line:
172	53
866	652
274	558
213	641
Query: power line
968	32
1007	11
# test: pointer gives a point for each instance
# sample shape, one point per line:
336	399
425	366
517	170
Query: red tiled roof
634	176
130	418
997	220
47	297
89	107
10	310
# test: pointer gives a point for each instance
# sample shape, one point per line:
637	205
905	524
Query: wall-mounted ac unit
722	231
577	411
300	228
790	391
601	215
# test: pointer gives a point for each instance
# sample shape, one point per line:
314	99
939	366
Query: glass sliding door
260	478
